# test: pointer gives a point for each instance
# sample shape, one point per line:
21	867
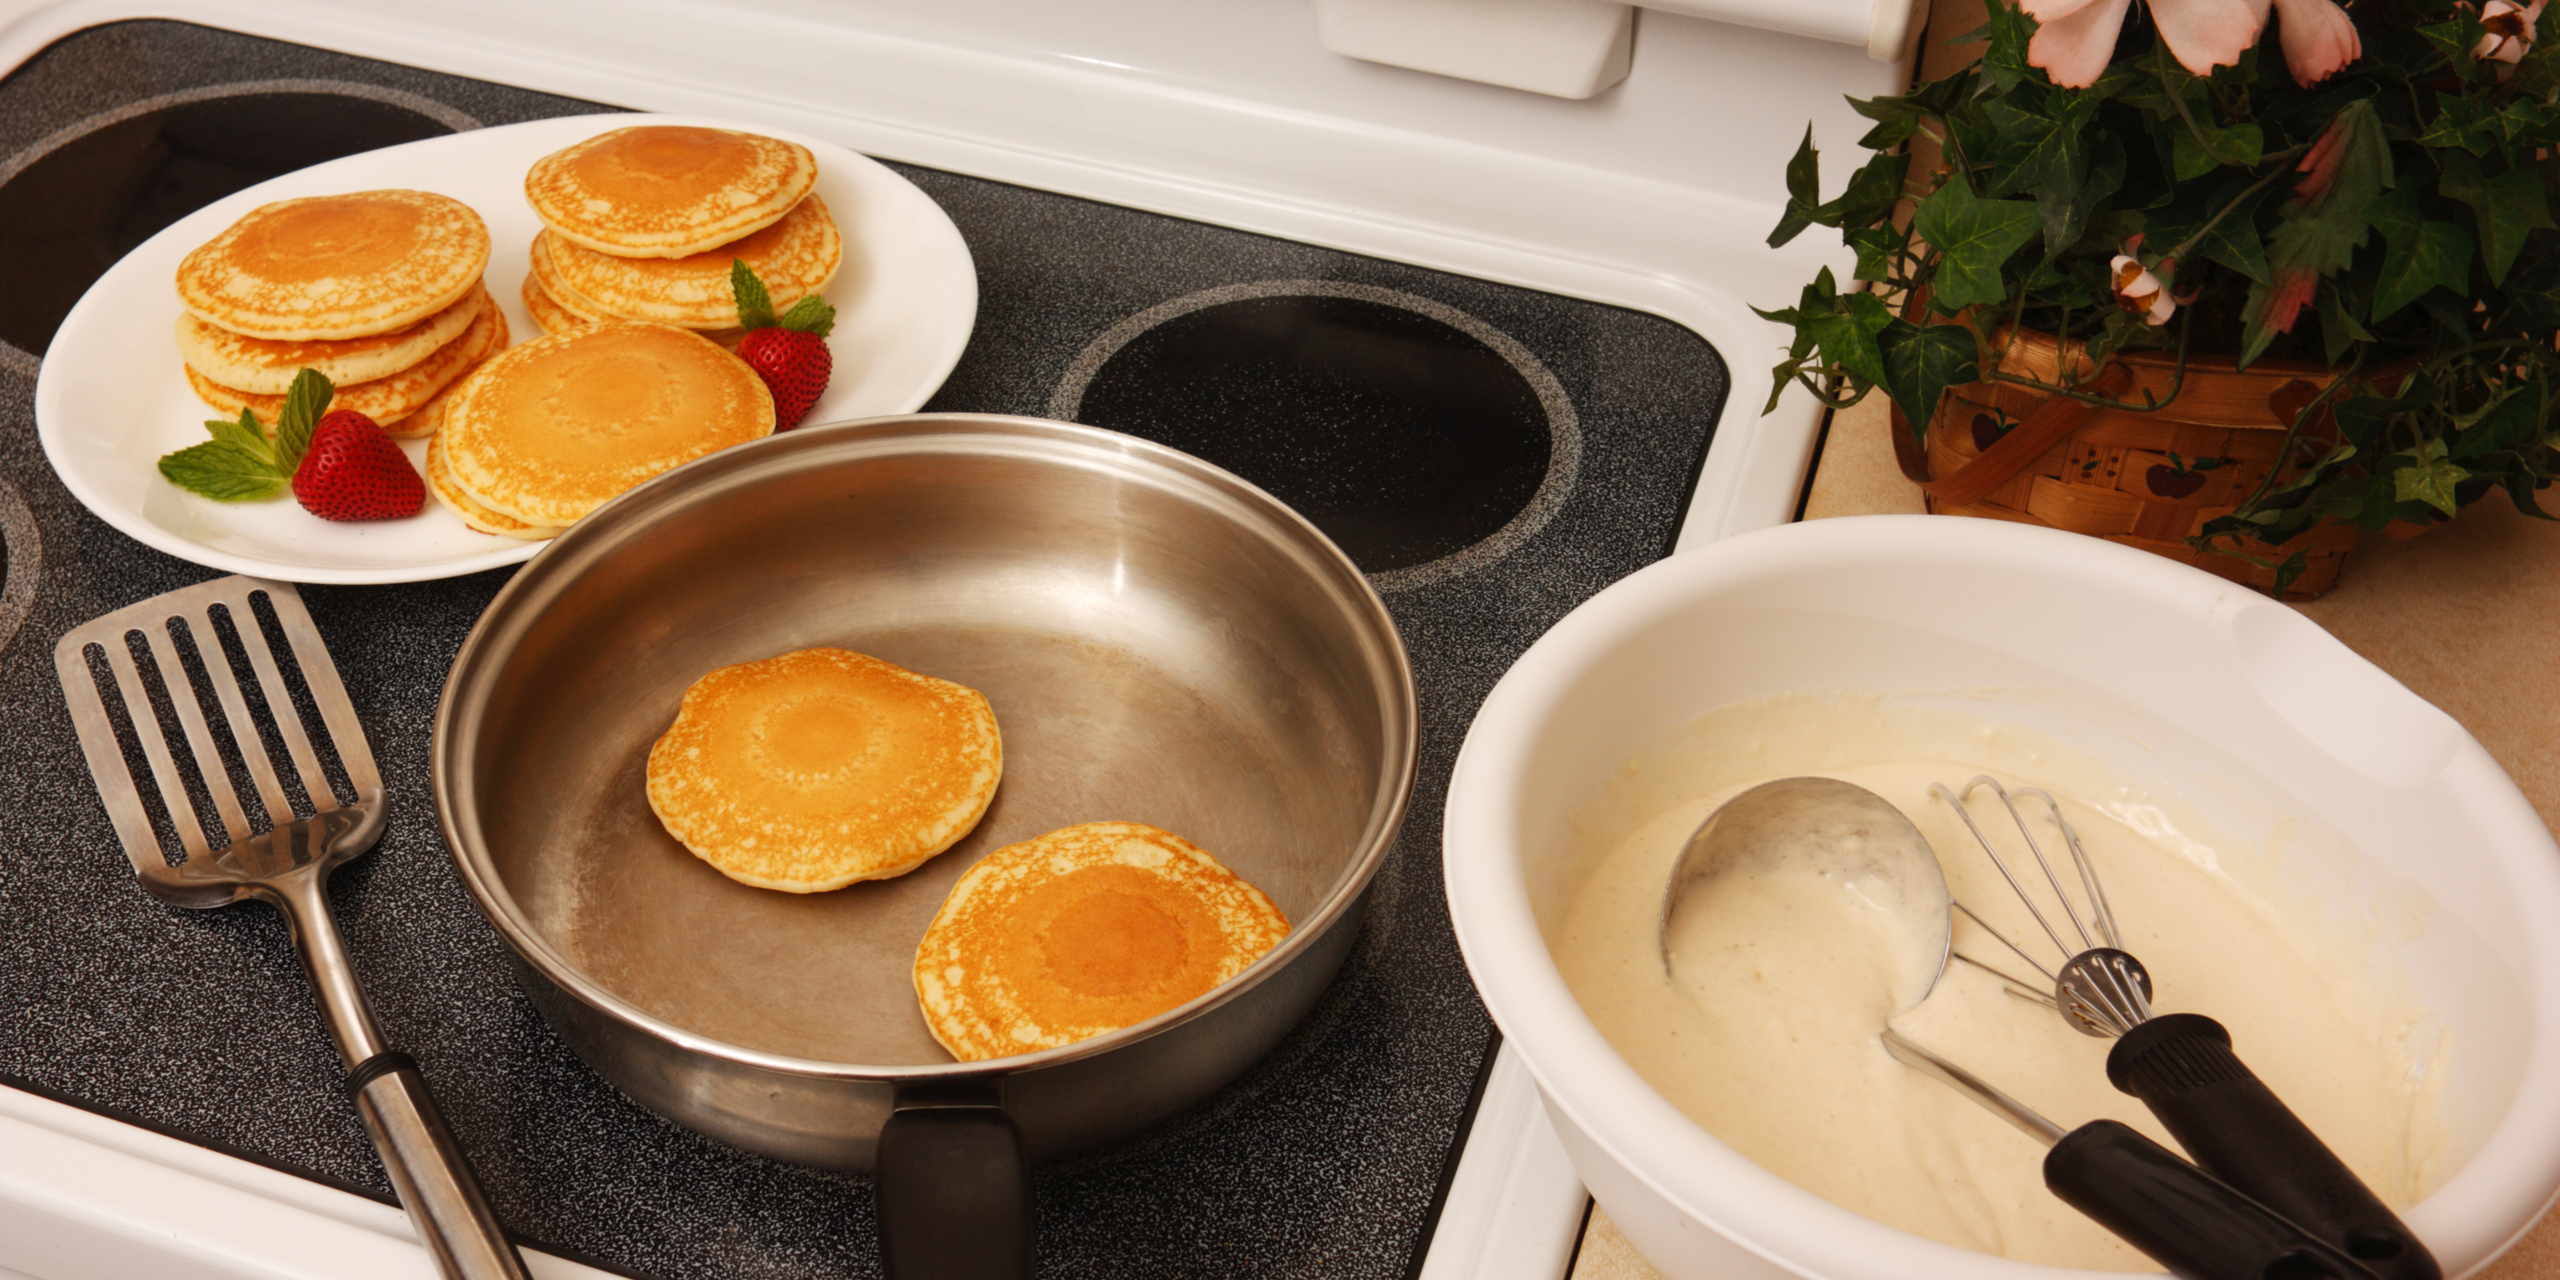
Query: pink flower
2075	38
2320	39
2510	31
2140	292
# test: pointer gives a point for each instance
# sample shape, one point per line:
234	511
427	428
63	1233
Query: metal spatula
175	661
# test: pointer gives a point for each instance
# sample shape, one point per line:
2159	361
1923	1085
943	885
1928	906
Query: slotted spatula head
172	733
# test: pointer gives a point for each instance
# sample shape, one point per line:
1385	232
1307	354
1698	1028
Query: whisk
2181	1065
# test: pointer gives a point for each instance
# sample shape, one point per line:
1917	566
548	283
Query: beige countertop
2463	615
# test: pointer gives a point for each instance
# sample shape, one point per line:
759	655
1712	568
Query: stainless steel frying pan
1162	643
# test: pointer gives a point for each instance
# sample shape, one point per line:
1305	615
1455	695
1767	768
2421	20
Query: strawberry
790	352
353	471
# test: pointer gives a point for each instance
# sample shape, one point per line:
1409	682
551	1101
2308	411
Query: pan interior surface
1156	646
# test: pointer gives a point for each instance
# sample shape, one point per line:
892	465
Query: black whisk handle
2182	1067
2187	1220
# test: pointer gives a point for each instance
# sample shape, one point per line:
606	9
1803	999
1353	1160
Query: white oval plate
111	397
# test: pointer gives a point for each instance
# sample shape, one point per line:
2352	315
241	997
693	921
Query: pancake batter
1768	1037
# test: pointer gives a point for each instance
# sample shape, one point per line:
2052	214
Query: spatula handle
434	1182
2181	1066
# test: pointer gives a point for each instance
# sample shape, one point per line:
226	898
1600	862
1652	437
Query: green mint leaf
223	472
811	314
242	434
1848	336
755	306
304	402
1974	237
1921	361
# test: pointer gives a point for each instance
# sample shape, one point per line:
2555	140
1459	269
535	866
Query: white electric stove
1653	194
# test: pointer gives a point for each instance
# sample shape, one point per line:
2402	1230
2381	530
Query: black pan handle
954	1190
2187	1220
2182	1067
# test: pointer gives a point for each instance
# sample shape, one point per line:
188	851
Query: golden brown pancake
546	275
439	475
551	430
546	310
266	366
1084	930
664	191
429	418
335	267
811	770
795	257
388	401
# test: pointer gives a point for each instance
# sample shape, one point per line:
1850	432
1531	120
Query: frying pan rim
509	613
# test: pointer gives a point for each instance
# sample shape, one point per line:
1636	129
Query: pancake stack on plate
642	224
546	432
378	290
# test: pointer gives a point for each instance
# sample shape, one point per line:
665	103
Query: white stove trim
1654	196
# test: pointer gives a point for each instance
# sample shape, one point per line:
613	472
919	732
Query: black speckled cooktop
1492	455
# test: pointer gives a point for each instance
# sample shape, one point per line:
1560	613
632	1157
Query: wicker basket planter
2148	479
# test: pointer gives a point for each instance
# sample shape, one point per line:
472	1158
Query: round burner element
74	203
1423	441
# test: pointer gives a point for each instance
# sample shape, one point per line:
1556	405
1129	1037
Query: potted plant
2206	279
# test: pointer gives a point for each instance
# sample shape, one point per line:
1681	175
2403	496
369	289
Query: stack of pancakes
378	290
546	432
642	224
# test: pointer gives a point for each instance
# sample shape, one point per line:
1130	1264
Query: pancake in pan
811	770
335	267
551	430
388	401
1085	930
664	191
266	366
795	257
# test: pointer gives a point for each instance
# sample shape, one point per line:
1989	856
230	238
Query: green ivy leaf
2506	208
1848	336
1921	361
2045	149
2339	328
2458	125
2430	478
1873	192
2506	422
1804	198
2008	28
1890	134
1974	237
1876	247
2421	254
2534	295
2239	145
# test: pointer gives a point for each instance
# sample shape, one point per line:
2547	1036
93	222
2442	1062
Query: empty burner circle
1423	441
75	202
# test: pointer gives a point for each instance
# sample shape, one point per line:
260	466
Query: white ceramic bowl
2199	684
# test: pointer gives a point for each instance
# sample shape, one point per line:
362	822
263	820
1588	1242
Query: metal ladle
2188	1220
